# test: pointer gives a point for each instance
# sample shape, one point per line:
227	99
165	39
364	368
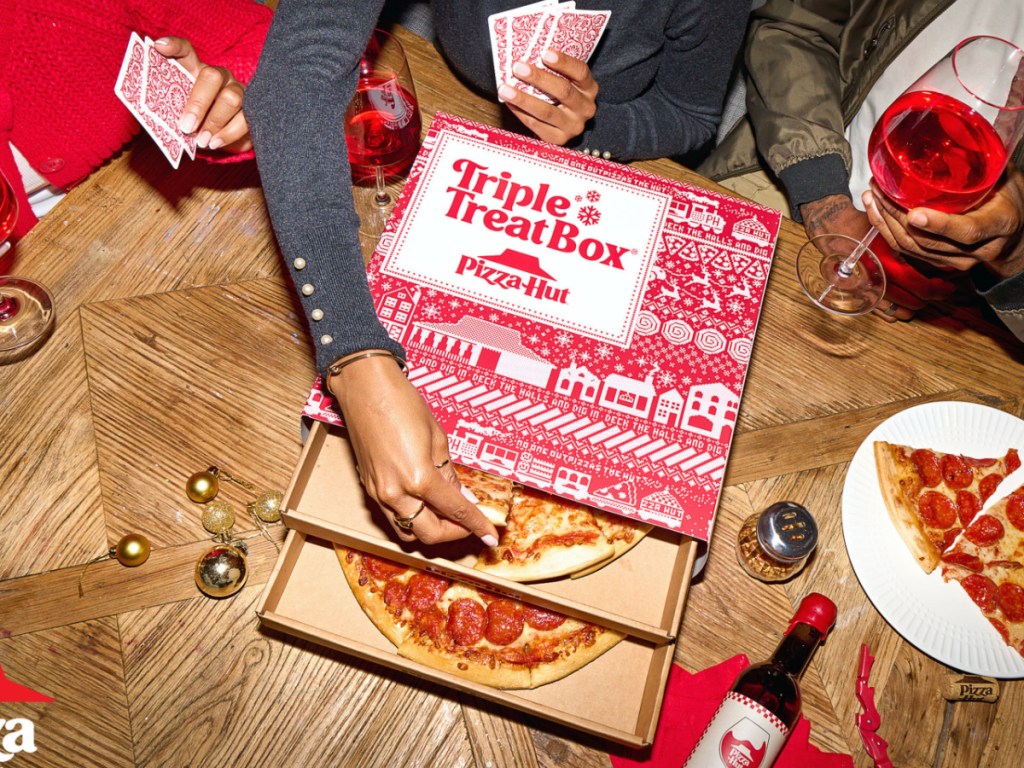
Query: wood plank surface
178	346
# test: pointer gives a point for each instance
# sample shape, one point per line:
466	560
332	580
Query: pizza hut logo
18	734
744	745
515	271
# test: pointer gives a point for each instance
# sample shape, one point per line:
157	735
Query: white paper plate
935	616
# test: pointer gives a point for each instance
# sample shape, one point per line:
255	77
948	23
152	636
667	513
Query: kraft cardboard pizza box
617	696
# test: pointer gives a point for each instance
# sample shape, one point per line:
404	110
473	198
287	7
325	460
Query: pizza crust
366	595
899	490
506	676
576	656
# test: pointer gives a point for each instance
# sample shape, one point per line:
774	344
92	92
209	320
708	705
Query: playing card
577	33
534	49
499	25
165	90
128	87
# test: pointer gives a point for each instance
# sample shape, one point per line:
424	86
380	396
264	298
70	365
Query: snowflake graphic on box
597	355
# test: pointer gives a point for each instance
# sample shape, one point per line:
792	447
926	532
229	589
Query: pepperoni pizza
987	560
932	496
476	635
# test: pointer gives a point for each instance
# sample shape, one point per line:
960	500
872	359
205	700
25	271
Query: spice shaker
774	545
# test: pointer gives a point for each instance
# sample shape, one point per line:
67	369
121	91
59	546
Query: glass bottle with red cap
753	721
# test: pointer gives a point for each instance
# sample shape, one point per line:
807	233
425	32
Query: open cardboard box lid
617	696
642	593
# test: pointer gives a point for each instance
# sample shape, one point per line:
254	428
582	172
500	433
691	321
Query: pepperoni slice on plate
1011	600
1015	511
967	506
929	467
956	472
1012	461
936	510
971	562
1000	628
985	531
982	590
988	485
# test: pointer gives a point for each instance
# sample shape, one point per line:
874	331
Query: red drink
382	128
931	149
8	209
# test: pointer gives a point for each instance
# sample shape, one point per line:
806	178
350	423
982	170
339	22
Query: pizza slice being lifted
493	494
545	537
932	496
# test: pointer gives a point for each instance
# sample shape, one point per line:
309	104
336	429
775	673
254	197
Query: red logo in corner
11	692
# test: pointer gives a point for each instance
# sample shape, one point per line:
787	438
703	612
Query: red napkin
691	700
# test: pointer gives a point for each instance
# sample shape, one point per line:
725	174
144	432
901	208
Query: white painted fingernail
507	92
216	142
521	69
204	139
469	494
188	123
489	540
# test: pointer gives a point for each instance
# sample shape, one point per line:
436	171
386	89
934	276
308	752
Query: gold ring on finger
405	523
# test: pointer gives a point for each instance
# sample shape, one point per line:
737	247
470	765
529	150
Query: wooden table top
178	346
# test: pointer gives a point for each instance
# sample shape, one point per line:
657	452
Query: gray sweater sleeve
295	107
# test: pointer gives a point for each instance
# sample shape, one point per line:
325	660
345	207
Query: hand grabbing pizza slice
545	537
931	496
493	494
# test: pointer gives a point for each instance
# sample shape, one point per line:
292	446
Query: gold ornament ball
221	571
202	486
132	550
267	506
218	517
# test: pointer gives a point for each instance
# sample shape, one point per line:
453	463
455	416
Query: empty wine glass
26	307
943	143
382	122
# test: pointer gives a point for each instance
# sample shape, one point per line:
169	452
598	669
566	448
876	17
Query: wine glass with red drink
943	144
382	123
26	307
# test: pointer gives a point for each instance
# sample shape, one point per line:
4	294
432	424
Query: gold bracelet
334	368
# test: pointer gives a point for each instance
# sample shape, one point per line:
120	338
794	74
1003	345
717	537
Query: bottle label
742	734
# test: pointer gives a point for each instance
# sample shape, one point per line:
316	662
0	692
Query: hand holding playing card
213	111
569	82
182	103
540	53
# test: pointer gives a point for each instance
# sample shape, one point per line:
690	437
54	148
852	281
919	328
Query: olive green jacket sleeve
809	65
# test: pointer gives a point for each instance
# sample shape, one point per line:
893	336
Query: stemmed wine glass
943	143
382	122
26	307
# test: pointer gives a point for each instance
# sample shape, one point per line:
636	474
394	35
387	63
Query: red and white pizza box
642	594
577	325
617	696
